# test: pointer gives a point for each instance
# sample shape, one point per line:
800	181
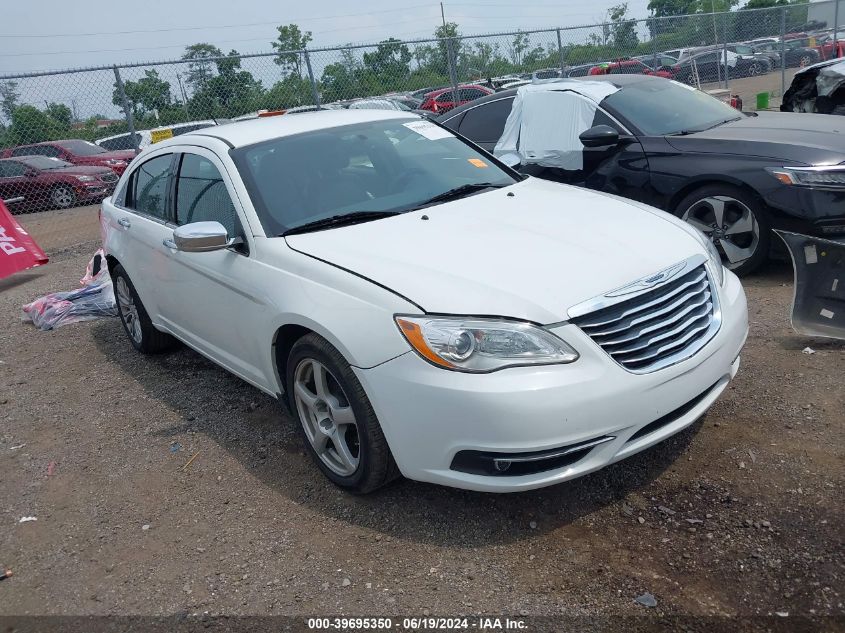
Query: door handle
169	244
124	222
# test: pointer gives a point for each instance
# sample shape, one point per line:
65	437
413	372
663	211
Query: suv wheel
805	60
337	421
734	220
136	322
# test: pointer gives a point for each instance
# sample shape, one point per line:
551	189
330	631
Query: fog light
501	465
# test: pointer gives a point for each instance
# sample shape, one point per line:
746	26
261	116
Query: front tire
136	322
62	197
734	220
337	421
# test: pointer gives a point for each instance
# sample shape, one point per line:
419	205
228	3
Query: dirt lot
740	516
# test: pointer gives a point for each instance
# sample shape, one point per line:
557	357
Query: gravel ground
739	516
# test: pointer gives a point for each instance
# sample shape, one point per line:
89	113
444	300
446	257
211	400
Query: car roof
617	80
437	93
241	133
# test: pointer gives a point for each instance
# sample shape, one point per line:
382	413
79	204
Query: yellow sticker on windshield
477	162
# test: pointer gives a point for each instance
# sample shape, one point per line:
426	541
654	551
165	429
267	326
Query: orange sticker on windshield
477	162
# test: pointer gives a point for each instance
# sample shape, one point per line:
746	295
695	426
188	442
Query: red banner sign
18	251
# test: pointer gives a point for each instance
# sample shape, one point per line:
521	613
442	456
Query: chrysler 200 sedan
420	307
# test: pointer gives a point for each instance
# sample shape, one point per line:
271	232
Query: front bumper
808	210
429	415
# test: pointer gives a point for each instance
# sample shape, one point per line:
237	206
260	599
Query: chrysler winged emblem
648	281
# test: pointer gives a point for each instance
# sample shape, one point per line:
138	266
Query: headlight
477	345
713	253
833	176
115	163
85	178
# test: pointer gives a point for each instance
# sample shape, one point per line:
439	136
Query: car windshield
45	162
741	49
661	107
387	166
82	148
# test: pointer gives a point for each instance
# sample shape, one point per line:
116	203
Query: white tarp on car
830	78
546	120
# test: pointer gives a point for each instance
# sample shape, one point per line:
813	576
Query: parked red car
443	100
49	182
76	151
629	67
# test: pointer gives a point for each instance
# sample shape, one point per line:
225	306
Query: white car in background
422	308
146	137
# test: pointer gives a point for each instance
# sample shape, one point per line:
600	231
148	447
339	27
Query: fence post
127	110
835	52
654	24
560	53
453	72
783	51
314	92
725	49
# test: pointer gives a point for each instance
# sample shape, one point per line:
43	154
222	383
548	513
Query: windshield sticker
428	130
477	162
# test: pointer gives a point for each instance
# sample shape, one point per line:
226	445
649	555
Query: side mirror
200	237
31	173
511	160
599	136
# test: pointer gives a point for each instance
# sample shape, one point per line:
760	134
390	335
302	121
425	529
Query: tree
9	97
623	32
517	47
60	113
31	125
148	94
288	43
665	8
390	61
447	35
200	70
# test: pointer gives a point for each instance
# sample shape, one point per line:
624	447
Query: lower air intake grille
658	327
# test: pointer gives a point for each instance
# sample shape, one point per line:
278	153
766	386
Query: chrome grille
659	327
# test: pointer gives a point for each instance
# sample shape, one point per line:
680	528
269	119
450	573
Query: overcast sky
50	34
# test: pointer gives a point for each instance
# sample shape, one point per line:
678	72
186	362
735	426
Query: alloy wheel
62	197
128	310
729	223
327	417
804	61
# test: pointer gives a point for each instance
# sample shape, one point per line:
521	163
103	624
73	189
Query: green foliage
391	59
31	125
200	68
60	113
291	38
8	98
623	32
148	94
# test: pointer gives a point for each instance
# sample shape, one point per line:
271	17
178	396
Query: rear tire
336	419
136	322
734	220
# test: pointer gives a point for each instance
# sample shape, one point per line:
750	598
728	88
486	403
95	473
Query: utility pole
450	55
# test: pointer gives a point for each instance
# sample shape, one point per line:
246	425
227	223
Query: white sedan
420	307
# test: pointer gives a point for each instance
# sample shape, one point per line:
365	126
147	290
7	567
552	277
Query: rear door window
485	123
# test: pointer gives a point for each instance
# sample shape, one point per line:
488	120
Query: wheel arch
705	181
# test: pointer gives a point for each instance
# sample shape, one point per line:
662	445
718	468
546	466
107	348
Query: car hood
810	139
531	255
122	154
81	170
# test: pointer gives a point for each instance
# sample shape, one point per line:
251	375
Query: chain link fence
65	136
